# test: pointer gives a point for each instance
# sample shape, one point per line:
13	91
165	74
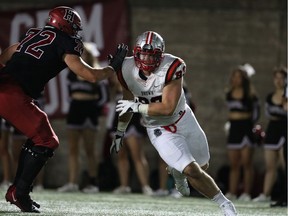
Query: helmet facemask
148	54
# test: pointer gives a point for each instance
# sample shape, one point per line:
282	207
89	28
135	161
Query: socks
219	198
24	151
35	159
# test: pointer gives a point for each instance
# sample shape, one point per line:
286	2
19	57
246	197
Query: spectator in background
276	134
282	199
86	102
133	146
243	112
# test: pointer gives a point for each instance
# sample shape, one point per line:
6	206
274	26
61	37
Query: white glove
117	142
125	106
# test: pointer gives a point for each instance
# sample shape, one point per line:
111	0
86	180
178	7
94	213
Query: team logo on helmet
69	15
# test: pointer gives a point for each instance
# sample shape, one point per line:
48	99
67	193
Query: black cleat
25	203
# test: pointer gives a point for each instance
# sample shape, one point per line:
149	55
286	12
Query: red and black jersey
39	58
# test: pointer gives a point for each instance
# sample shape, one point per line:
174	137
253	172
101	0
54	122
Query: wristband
122	126
143	108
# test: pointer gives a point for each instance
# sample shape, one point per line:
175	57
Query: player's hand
116	61
125	106
117	142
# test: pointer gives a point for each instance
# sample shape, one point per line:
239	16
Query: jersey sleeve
71	45
176	70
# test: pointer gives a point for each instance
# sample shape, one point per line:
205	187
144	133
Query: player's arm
7	53
127	95
122	124
170	97
82	69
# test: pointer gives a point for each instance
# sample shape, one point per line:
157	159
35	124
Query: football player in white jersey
152	84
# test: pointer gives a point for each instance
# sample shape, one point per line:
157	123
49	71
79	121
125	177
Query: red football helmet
148	51
65	19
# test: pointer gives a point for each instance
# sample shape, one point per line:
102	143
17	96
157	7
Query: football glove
116	61
117	142
125	106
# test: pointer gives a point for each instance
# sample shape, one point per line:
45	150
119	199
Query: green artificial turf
61	204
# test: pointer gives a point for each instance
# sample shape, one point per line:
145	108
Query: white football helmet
148	51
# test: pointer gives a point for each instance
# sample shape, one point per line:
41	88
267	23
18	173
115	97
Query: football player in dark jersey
28	66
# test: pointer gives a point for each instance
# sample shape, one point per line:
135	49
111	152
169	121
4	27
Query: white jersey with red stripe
148	89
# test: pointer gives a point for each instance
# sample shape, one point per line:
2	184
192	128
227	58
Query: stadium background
212	37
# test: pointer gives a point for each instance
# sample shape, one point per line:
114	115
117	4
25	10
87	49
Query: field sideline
108	204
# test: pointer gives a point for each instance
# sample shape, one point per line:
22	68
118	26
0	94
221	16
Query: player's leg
206	185
31	160
200	180
197	144
174	153
34	124
184	150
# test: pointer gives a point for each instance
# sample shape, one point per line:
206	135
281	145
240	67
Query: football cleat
228	209
25	203
181	183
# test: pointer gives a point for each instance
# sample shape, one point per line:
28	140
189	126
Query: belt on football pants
172	127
